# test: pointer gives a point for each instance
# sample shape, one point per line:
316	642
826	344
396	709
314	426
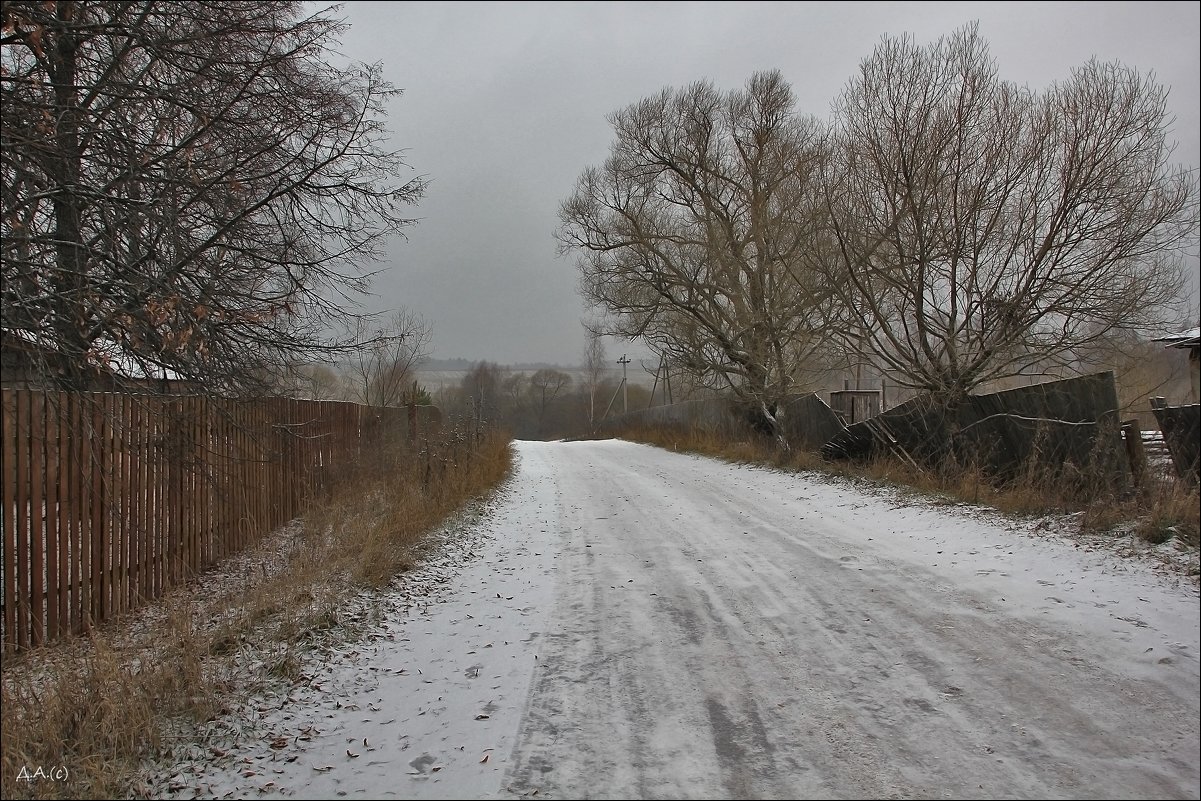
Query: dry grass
1169	510
93	710
99	706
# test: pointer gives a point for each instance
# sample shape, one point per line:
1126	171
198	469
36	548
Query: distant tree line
547	403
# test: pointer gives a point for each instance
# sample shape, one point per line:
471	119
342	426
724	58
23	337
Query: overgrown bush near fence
110	499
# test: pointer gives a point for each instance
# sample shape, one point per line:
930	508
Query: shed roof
1185	339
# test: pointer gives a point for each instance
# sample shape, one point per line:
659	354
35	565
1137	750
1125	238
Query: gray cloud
504	104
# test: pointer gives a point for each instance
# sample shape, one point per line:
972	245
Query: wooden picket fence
111	499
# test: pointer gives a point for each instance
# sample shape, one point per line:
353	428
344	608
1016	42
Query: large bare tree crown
980	230
691	235
191	187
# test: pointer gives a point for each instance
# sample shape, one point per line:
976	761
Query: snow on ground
425	706
621	622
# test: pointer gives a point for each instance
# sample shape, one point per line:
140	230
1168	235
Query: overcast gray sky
504	105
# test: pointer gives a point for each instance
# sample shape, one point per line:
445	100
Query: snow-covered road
632	623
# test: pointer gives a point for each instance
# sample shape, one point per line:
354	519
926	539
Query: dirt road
640	624
733	633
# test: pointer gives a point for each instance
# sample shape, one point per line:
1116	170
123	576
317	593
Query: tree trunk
64	165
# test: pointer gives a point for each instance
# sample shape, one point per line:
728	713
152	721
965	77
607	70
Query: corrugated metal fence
111	499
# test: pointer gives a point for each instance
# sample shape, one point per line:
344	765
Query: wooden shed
1191	341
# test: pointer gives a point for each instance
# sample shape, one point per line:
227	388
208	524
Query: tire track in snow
724	631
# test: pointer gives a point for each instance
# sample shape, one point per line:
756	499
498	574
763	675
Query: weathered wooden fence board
1180	426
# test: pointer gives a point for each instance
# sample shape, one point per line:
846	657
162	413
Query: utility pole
625	389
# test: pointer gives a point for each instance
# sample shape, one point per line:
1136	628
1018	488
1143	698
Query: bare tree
480	393
546	385
191	186
314	382
980	230
384	364
692	233
514	412
595	366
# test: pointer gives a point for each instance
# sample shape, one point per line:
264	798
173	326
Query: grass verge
87	712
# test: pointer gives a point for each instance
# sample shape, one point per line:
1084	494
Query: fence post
9	437
122	504
55	513
1132	436
98	508
81	428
